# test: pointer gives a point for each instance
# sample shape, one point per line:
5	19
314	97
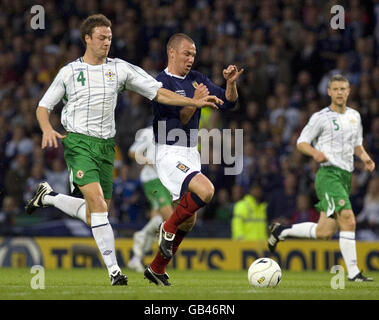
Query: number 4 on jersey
81	78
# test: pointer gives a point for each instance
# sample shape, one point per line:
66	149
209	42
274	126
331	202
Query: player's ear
171	52
87	38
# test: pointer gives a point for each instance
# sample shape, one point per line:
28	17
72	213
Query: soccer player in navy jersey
177	159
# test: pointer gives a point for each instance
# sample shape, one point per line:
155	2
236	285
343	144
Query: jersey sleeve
141	142
219	92
311	130
139	81
359	136
54	93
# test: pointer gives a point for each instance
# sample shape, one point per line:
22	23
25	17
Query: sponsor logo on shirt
181	92
182	167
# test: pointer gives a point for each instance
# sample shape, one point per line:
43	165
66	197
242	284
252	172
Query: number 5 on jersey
336	125
81	78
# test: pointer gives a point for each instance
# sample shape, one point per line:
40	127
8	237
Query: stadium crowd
288	50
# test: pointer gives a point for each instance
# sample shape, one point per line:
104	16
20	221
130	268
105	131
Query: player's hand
231	73
369	165
208	101
50	138
320	157
201	91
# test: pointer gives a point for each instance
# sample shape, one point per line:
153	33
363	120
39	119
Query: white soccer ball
264	272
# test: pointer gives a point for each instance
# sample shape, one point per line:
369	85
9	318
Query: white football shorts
174	164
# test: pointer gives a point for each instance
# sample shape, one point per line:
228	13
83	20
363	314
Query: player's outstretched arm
168	97
362	154
49	135
308	150
231	74
187	112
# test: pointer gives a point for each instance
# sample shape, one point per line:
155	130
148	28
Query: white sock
349	252
152	226
104	237
300	230
74	207
149	241
143	240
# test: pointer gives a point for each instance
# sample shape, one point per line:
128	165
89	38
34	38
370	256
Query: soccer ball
264	272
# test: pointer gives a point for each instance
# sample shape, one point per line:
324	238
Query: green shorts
157	194
332	186
89	159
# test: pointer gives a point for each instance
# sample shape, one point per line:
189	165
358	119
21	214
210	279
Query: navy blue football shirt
170	115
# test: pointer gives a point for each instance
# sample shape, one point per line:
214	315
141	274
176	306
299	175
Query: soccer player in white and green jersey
332	137
88	88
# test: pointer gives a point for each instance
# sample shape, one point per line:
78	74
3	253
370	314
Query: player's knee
97	203
348	225
207	193
324	234
347	222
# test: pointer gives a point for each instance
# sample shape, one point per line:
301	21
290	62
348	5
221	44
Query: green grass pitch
93	284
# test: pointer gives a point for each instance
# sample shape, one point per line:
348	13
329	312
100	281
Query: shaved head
176	39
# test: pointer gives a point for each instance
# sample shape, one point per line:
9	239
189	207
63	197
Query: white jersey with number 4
334	134
89	94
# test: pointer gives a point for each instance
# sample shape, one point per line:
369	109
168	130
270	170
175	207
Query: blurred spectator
37	175
249	217
282	201
368	218
8	213
304	212
19	144
57	176
126	195
16	177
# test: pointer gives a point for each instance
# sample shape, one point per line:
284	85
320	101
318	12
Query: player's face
184	57
100	41
339	92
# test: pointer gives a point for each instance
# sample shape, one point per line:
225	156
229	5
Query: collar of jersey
174	75
81	60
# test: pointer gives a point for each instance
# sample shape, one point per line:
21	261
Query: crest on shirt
110	74
182	167
195	84
79	174
341	202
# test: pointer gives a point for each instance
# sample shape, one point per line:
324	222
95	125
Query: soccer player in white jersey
88	88
332	137
143	151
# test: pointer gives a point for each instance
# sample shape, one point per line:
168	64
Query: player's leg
200	192
160	201
45	196
102	230
324	229
143	240
346	222
184	215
